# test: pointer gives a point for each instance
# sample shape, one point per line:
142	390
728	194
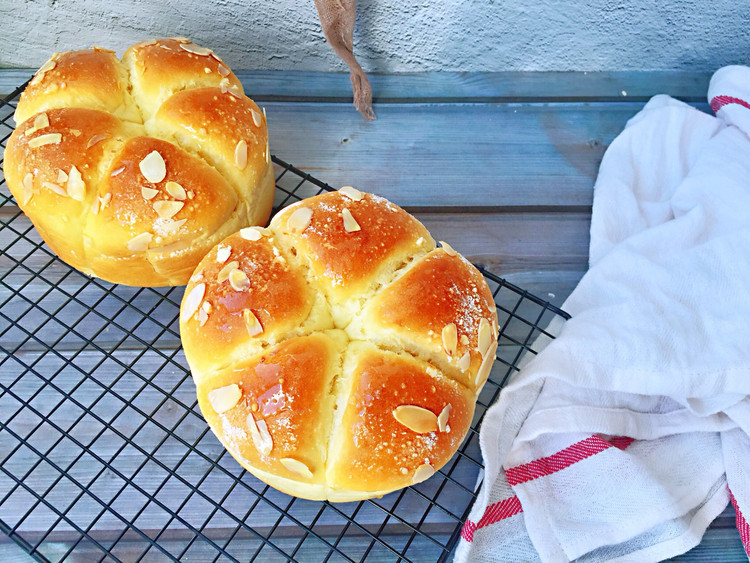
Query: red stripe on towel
564	458
742	526
539	468
494	513
718	102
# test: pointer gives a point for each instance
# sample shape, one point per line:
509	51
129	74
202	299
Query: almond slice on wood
299	220
450	339
442	419
224	398
352	193
350	223
140	242
153	167
423	472
296	466
417	419
192	302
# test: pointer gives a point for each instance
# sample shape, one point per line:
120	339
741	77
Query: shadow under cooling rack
104	454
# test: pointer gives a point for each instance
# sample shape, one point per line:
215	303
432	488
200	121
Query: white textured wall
399	35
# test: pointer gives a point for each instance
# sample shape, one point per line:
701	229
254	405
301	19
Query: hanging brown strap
337	19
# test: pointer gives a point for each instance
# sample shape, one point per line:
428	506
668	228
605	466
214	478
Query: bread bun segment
338	353
132	170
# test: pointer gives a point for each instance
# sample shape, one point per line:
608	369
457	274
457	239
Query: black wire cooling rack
104	454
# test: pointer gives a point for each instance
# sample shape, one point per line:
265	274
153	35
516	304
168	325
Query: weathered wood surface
501	166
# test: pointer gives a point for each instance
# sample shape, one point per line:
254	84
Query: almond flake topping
167	209
222	254
260	435
484	338
464	339
423	472
76	187
240	154
420	241
442	419
254	328
147	43
223	274
417	419
55	188
140	242
350	223
191	303
223	71
352	193
251	233
153	167
95	206
148	193
464	362
224	398
202	316
26	186
238	280
117	171
96	139
62	176
176	190
195	49
299	220
448	248
170	226
41	121
296	466
484	369
49	65
450	339
48	139
257	119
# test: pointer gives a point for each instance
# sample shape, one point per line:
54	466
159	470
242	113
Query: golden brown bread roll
132	170
338	354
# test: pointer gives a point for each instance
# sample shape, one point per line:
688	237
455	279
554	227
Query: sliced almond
148	193
96	139
484	337
251	233
464	362
450	339
26	188
254	328
222	254
147	43
49	65
417	419
76	187
105	199
423	472
202	317
95	206
260	435
464	339
153	167
62	177
442	419
176	191
257	118
447	248
117	171
192	302
420	241
223	71
299	220
195	49
140	242
484	370
296	466
41	121
238	280
352	193
206	306
48	139
224	398
240	154
167	209
223	274
55	188
350	223
170	226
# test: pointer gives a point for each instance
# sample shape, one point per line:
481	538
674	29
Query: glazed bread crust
132	170
338	353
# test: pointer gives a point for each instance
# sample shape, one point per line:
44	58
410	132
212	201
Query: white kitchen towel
628	434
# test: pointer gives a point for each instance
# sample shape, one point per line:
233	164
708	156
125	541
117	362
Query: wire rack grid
104	454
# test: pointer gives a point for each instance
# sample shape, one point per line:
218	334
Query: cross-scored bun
132	170
338	354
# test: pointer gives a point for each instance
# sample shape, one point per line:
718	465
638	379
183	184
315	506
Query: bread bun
132	170
338	354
